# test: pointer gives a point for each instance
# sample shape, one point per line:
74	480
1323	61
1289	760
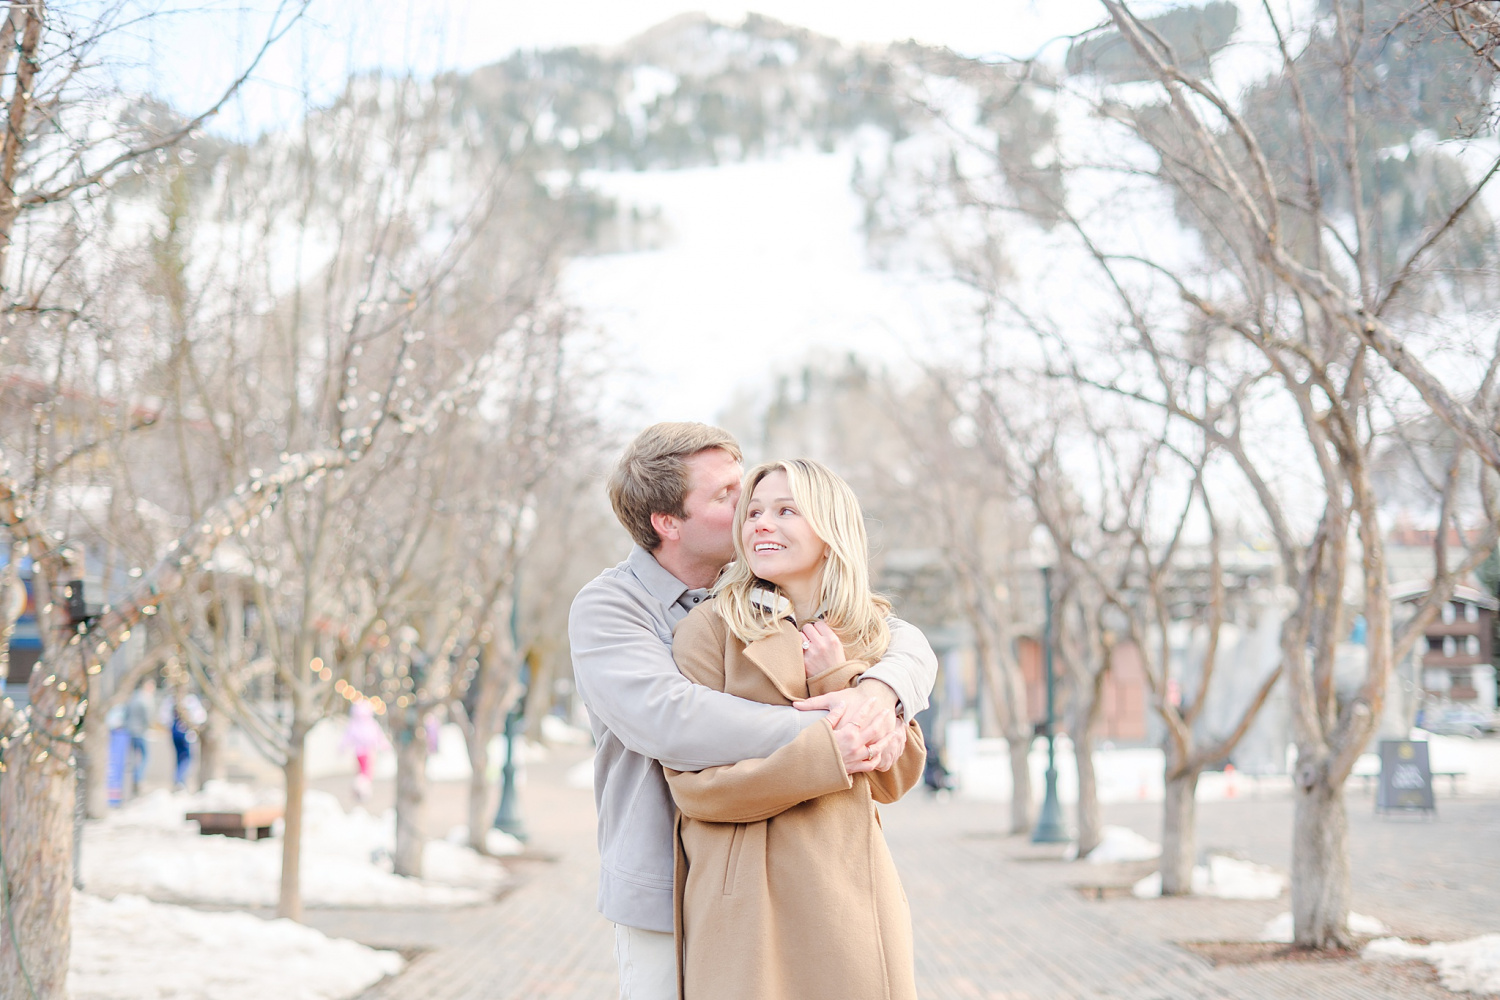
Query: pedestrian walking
119	752
138	714
365	737
183	716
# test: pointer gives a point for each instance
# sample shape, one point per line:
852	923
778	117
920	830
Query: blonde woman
784	885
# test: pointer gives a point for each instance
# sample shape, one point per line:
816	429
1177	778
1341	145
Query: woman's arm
753	790
756	789
888	786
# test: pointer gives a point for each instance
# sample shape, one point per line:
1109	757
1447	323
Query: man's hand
857	756
865	714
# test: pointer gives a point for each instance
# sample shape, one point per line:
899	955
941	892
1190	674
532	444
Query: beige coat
785	889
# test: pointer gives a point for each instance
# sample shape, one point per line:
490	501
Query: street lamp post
508	816
1049	825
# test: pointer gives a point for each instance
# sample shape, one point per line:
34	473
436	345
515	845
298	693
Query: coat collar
779	656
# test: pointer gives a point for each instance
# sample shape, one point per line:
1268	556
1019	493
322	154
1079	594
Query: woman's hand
821	648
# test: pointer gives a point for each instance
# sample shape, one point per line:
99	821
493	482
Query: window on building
1471	612
1450	646
1424	646
1471	645
1449	613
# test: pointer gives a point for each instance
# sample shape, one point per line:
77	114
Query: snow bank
133	949
1122	774
1471	966
581	774
1118	844
1279	928
1223	878
147	848
449	762
496	842
555	730
164	810
1478	759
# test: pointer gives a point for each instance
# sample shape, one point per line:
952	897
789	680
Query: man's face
713	491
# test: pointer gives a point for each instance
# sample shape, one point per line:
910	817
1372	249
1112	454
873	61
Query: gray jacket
645	714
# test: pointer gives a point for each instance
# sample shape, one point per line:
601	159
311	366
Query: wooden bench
249	824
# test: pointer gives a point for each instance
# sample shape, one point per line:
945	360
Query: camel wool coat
784	887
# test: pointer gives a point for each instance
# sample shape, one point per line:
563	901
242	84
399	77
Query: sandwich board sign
1405	778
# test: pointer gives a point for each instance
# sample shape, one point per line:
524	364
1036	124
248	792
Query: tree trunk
1020	783
1179	833
36	847
211	747
1320	866
96	742
479	785
411	789
294	774
1090	823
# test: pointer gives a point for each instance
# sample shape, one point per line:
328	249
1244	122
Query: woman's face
780	545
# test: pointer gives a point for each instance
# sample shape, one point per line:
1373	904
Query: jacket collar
659	583
779	657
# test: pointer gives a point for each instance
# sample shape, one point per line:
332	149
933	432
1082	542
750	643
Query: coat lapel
779	657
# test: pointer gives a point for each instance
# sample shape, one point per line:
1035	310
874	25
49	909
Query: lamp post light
1049	825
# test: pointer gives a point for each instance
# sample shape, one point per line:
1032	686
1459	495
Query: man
675	490
138	712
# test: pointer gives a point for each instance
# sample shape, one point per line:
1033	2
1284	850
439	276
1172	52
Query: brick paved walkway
994	917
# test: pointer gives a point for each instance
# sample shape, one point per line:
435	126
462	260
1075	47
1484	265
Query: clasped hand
869	736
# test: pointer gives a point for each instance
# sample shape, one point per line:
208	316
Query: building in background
1456	652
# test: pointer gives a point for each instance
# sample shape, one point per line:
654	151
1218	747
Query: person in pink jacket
365	737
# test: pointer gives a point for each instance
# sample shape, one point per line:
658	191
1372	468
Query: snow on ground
1471	966
1478	759
1134	774
581	774
1118	844
770	244
1279	928
132	949
497	843
1123	774
148	848
1223	878
449	762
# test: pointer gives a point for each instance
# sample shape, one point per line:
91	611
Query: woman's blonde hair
848	605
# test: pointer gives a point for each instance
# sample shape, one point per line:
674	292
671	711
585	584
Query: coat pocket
732	867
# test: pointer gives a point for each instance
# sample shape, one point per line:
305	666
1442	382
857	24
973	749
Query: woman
784	886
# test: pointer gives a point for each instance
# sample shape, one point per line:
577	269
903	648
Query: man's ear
668	526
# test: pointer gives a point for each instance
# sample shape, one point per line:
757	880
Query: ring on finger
805	643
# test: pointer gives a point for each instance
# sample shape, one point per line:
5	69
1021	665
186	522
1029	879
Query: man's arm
627	678
909	667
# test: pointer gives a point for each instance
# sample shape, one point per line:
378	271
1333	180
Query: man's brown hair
652	476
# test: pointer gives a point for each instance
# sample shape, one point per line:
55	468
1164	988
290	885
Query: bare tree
1297	299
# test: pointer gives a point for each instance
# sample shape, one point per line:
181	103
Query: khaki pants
648	964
